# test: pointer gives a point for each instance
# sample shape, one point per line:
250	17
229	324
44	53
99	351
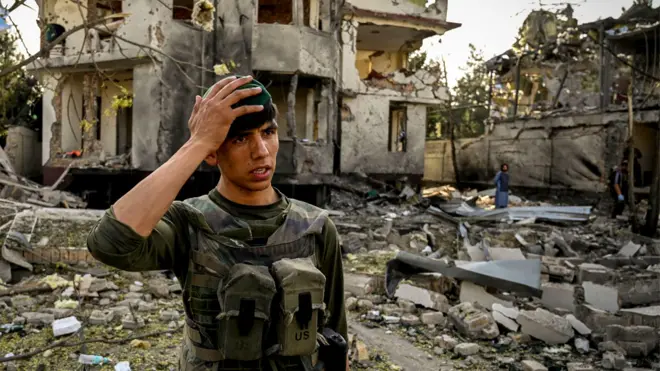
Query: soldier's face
248	160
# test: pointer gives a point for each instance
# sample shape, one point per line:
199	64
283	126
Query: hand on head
213	115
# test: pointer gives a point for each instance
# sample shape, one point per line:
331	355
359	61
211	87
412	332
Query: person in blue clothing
502	187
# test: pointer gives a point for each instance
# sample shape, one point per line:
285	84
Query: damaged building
118	93
561	105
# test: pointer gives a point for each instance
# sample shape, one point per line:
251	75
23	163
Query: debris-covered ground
433	281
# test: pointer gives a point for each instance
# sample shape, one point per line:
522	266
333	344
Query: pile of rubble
510	289
82	314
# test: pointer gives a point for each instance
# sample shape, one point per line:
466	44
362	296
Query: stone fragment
545	326
505	321
595	273
410	320
467	349
558	295
596	318
169	315
614	361
66	326
59	313
158	288
445	342
578	325
576	366
472	293
34	318
601	297
358	284
128	322
391	319
361	351
629	250
582	345
433	318
512	313
22	302
135	288
423	297
639	290
101	284
120	312
637	341
101	318
406	306
351	304
531	365
364	304
473	322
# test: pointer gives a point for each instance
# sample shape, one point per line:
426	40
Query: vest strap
207	355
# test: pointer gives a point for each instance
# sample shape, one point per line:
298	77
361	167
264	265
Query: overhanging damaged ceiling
388	38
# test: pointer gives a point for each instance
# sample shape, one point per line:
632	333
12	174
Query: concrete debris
473	322
546	326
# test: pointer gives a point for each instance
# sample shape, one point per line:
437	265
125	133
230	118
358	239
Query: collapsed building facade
560	107
118	93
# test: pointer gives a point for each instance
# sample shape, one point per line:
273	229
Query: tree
471	95
19	93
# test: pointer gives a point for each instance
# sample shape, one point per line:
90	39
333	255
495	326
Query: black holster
332	356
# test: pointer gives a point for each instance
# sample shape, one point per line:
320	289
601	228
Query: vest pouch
301	288
245	298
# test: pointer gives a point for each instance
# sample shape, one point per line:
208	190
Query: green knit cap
261	99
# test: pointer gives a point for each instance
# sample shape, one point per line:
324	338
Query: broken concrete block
644	316
545	326
575	366
531	365
637	341
558	295
128	322
445	342
578	325
422	297
629	250
433	318
473	322
22	302
66	326
467	349
34	318
472	293
602	297
596	318
101	318
410	320
639	290
503	253
351	304
505	321
614	361
582	345
100	284
358	284
595	273
508	312
556	267
351	242
406	306
169	315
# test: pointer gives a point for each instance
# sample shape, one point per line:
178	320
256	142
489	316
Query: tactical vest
252	307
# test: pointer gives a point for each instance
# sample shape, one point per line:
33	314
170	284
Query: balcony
285	48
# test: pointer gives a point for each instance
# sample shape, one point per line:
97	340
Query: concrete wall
72	113
566	152
365	137
24	151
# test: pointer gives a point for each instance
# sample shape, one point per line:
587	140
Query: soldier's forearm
143	206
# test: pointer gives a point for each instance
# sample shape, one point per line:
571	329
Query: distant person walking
502	187
619	188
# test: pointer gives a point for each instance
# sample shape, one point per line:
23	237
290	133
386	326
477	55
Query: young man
619	189
258	270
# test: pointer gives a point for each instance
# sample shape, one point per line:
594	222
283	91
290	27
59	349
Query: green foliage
469	103
19	92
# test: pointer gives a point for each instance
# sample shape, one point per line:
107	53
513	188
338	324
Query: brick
473	322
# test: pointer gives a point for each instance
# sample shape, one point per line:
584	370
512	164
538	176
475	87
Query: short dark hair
503	165
253	120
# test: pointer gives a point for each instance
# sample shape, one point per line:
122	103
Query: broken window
398	133
124	130
182	9
275	11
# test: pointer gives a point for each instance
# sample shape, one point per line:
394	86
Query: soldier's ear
212	159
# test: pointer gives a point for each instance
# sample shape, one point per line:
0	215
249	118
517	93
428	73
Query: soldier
261	273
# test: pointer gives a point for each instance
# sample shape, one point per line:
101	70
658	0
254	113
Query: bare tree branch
51	45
